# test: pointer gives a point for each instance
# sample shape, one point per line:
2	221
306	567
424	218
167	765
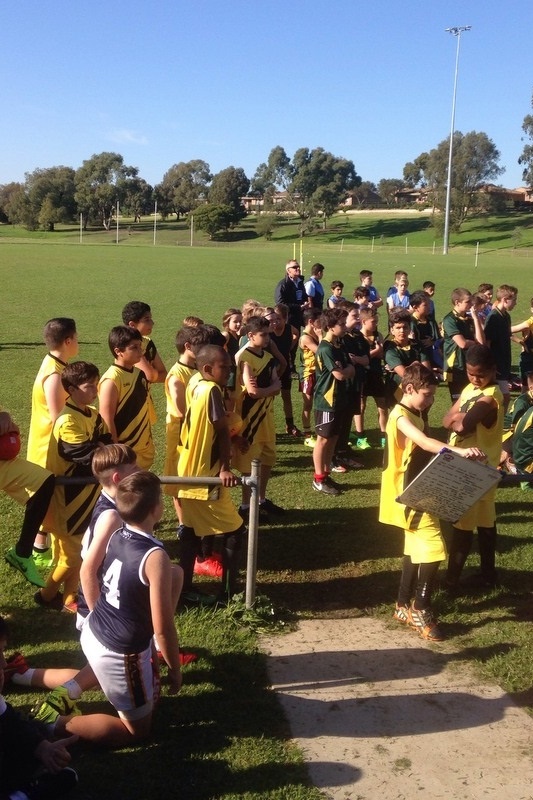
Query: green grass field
329	558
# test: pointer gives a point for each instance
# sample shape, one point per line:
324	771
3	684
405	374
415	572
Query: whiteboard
449	486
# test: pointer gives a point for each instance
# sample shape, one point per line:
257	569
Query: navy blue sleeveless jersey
122	619
104	503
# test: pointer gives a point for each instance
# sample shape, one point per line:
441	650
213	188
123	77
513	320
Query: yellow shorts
20	479
66	550
425	545
481	515
209	517
172	456
264	451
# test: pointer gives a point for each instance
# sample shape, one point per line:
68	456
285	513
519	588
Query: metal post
457	31
253	530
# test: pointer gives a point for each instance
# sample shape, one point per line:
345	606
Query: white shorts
126	680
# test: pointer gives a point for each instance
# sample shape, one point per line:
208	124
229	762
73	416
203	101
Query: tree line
311	185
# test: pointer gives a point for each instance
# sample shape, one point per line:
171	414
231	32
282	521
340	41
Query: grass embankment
224	737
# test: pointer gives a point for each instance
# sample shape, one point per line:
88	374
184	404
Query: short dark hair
480	355
78	372
257	324
111	456
361	292
337	285
460	294
366	273
332	317
418	297
316	268
209	354
310	314
137	495
428	285
134	311
419	376
399	315
57	330
121	336
212	334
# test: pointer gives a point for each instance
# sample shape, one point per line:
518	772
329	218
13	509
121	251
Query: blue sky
162	82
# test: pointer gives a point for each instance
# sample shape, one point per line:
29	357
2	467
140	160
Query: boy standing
476	419
257	383
399	352
206	451
47	399
498	335
462	329
308	345
374	385
336	294
407	452
123	395
330	400
77	432
138	315
365	279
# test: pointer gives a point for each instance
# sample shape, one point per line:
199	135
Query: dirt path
380	715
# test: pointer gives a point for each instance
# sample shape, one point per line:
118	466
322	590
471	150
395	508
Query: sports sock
460	547
424	587
407	581
320	478
73	688
24	679
34	513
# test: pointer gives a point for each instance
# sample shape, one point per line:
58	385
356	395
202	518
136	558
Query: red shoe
15	664
210	567
185	658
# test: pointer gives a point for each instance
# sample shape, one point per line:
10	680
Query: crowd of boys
220	397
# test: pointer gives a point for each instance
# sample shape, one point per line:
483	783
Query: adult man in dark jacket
291	291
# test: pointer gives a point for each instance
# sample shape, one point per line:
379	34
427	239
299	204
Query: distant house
521	198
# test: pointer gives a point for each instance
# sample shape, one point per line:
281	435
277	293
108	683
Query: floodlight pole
456	31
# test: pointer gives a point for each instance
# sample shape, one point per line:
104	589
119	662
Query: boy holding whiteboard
407	452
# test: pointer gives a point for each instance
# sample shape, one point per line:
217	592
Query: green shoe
43	558
56	704
26	566
362	443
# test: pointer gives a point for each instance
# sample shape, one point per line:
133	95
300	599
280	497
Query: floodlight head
458	29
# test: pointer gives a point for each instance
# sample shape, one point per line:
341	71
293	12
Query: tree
227	188
526	159
184	187
365	195
215	218
138	198
15	205
101	182
51	195
387	188
475	162
315	181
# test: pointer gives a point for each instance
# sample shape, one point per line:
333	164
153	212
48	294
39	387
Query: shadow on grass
189	755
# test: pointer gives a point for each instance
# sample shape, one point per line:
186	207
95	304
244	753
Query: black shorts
374	386
328	423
